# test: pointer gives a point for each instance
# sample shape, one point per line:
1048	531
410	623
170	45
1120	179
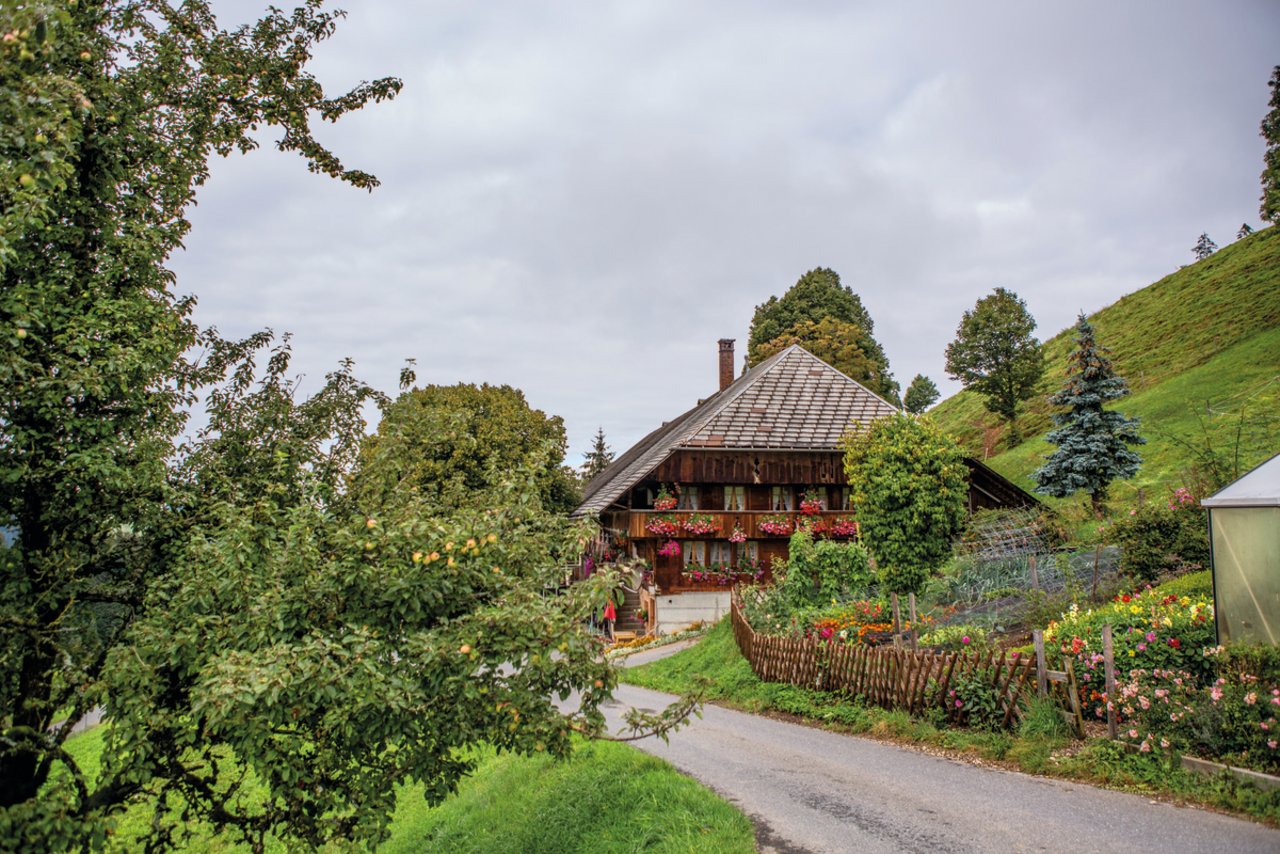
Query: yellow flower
493	538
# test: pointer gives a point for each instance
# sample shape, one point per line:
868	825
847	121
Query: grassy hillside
1197	347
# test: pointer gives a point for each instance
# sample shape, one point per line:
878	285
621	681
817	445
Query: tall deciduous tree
109	113
996	355
1204	247
598	458
1093	442
909	484
1270	129
829	320
921	394
451	446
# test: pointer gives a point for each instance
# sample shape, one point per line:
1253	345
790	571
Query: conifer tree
598	458
1093	443
1204	247
921	394
1244	231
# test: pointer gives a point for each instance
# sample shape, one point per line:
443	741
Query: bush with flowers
1158	538
669	549
1149	630
1234	719
956	638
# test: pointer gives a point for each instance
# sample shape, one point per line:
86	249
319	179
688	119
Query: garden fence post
1109	659
897	623
911	608
1042	678
1097	555
1035	576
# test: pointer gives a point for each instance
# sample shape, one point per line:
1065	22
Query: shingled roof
792	401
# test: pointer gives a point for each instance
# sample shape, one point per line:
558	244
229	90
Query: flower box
810	507
778	524
844	526
664	526
701	525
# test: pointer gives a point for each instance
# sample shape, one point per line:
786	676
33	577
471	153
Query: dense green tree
1093	442
921	394
845	340
598	458
910	485
1270	129
454	445
109	113
337	654
1204	247
996	355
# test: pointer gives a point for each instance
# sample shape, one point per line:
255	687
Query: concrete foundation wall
678	611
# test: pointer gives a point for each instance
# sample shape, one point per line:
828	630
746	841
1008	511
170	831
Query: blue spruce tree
1093	443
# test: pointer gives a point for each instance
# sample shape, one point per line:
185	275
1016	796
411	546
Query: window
719	553
694	551
780	498
845	498
689	498
735	498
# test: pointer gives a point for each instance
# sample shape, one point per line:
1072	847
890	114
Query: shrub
976	700
1150	630
1159	538
1233	720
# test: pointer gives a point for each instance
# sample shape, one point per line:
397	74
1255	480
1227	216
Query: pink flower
959	704
1271	743
964	639
1133	733
1145	747
1251	698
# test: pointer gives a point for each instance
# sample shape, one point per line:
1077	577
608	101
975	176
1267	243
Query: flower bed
1149	631
664	526
1233	719
777	524
852	624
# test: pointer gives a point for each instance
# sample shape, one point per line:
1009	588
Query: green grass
1038	747
1206	338
606	798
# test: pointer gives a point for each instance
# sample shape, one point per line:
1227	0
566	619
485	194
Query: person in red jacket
610	614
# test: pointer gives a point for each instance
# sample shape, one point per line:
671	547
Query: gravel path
808	790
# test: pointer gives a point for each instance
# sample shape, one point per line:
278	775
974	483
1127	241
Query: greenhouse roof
1258	488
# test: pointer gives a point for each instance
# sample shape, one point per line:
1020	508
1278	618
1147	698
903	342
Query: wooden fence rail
888	677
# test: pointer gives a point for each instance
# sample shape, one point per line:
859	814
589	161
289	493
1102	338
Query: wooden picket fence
883	675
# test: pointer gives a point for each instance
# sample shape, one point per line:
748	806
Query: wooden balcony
748	520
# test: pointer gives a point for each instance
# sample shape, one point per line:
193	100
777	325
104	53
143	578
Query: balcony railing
754	523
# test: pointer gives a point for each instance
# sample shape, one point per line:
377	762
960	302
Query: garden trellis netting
1244	530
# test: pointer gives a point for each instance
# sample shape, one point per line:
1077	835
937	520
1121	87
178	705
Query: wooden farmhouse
709	498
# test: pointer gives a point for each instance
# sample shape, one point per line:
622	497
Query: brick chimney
726	362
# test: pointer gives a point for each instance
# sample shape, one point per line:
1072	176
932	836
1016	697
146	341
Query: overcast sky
580	198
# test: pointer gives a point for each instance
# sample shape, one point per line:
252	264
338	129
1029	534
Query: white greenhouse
1244	527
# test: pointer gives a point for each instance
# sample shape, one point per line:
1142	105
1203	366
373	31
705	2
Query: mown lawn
607	798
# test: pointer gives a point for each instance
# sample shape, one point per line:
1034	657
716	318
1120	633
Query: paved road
808	790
